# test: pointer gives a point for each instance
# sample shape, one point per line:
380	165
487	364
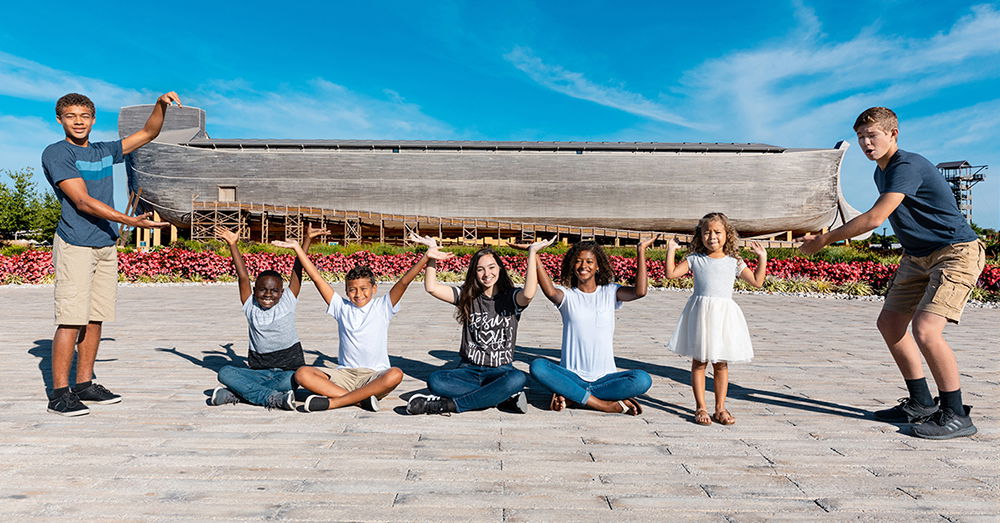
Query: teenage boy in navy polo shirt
83	250
941	263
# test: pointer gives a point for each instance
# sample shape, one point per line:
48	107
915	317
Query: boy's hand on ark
169	98
227	236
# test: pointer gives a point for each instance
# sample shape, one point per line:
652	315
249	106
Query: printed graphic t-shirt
94	163
488	338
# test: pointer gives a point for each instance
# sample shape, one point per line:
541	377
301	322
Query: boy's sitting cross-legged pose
275	351
364	375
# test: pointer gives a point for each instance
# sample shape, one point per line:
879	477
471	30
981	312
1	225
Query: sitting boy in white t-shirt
364	375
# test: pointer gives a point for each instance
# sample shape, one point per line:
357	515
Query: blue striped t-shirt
94	163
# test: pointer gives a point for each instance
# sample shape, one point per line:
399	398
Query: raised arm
641	278
548	288
431	285
321	285
527	294
242	276
397	290
674	269
295	281
860	224
756	277
154	123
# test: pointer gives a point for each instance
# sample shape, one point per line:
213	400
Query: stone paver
804	446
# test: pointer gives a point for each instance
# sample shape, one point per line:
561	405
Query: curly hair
732	237
605	274
472	288
74	99
360	272
883	117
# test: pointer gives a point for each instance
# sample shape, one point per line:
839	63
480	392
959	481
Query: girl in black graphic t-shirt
488	306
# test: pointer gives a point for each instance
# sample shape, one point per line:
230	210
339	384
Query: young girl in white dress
711	327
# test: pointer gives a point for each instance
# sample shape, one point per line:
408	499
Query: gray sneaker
223	396
946	424
281	400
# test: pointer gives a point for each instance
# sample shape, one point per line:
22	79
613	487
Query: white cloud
576	85
317	109
29	80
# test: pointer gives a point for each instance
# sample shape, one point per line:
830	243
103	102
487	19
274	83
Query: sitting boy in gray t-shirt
275	351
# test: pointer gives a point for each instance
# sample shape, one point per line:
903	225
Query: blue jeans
255	385
475	386
610	387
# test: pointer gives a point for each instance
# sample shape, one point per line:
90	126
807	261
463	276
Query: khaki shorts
938	283
354	378
86	282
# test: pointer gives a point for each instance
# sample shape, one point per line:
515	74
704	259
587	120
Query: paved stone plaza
804	446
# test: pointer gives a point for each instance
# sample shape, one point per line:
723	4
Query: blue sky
790	73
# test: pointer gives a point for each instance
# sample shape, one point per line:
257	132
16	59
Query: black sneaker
223	396
429	404
370	403
317	403
96	393
908	411
68	404
281	400
517	403
946	424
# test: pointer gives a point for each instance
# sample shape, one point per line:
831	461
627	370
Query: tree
25	211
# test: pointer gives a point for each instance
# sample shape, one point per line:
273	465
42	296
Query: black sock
919	391
952	400
59	392
80	386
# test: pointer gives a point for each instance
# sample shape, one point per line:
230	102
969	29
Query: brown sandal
723	417
630	407
701	417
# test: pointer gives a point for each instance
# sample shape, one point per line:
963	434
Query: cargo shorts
939	283
86	286
352	379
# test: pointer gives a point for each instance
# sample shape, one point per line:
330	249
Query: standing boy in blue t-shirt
83	250
941	263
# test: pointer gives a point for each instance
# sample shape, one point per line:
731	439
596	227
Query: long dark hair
472	289
605	274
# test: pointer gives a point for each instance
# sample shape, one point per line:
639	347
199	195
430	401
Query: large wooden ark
644	186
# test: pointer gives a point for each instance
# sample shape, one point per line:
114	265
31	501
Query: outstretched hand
428	241
758	249
672	245
541	244
643	245
227	236
315	232
435	253
143	221
811	244
286	244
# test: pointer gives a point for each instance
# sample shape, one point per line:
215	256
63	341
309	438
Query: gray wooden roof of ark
459	145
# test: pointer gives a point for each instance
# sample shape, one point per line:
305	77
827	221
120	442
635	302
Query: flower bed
35	266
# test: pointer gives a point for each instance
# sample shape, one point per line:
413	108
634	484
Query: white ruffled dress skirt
712	327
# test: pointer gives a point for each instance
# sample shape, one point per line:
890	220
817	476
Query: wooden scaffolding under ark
265	222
